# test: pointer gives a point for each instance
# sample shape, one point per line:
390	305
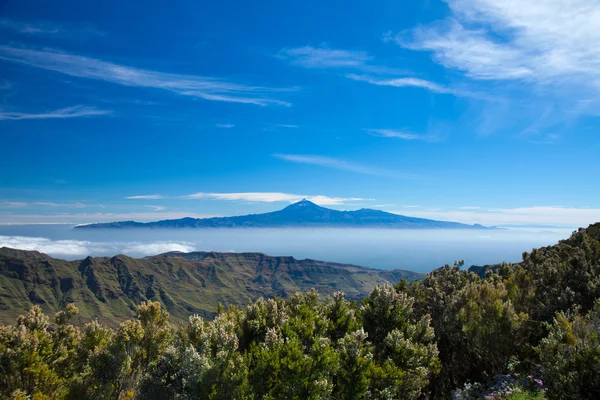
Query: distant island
301	214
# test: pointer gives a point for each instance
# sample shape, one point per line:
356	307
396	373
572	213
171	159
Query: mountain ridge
301	214
109	288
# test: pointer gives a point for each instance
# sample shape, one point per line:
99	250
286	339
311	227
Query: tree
27	356
404	349
570	355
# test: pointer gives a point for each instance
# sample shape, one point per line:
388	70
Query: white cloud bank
75	248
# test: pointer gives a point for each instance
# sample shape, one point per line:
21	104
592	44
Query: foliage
570	355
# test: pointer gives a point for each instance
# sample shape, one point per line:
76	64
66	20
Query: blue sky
476	111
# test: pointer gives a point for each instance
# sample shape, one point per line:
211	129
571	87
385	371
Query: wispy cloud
272	197
412	82
30	28
549	138
401	82
157	208
404	135
342	165
12	204
186	85
68	112
324	57
547	42
290	126
49	29
390	133
225	126
146	197
42	204
54	204
528	56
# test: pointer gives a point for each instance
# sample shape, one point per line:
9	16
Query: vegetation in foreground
525	331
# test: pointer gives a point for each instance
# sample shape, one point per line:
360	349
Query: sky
473	111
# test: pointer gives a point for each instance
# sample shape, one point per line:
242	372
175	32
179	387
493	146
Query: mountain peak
303	203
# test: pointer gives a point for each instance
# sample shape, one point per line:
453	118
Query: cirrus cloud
68	112
206	88
146	197
342	165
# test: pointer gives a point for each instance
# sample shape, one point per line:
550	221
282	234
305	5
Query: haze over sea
416	250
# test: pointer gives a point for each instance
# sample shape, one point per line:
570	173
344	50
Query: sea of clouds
83	248
417	250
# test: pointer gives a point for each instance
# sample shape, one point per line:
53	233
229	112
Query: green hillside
185	284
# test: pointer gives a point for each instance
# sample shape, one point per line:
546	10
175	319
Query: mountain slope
185	283
301	214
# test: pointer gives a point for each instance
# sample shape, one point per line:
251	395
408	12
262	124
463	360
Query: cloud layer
74	248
